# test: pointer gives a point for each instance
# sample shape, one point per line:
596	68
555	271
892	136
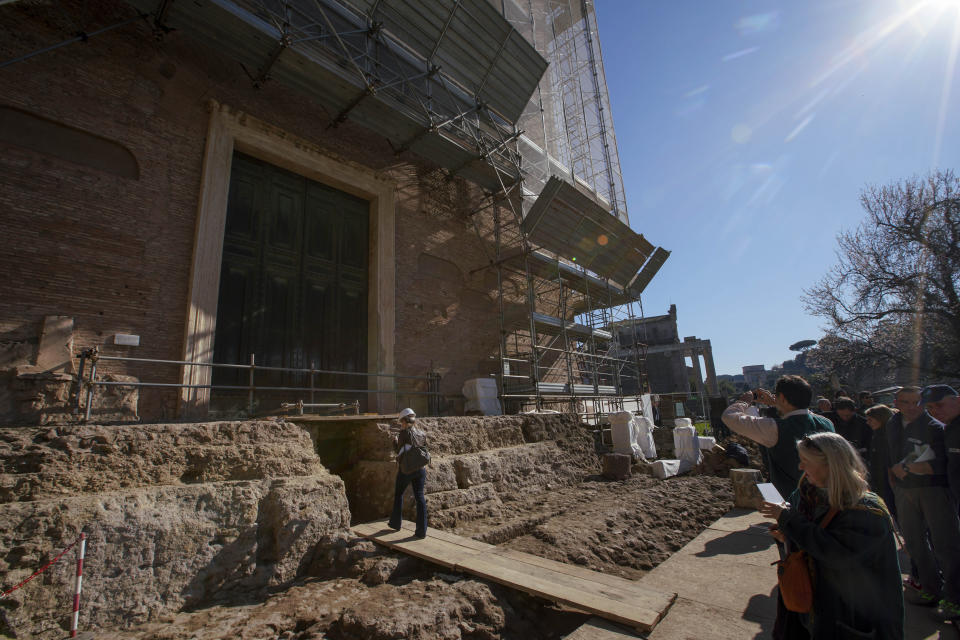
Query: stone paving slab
724	581
743	546
726	586
746	520
718	582
690	620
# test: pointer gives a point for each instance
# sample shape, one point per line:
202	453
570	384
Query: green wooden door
293	281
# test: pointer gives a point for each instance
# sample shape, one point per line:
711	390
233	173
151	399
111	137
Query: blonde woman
857	591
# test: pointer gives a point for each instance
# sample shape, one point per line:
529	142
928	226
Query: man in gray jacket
924	502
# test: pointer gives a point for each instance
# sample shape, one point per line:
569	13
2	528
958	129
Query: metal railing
88	384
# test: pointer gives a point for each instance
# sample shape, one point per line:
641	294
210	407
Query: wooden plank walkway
617	599
600	629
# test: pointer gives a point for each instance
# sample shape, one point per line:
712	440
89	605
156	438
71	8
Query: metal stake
76	398
253	363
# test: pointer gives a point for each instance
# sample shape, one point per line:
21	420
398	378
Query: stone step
46	462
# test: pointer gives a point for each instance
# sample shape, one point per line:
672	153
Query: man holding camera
926	511
791	397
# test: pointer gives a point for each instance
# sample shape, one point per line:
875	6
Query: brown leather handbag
793	576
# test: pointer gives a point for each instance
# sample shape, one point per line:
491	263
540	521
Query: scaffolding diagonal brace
264	73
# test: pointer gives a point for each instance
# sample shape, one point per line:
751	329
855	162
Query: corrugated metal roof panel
649	270
565	221
471	41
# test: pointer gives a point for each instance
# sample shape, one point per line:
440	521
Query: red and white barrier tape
76	589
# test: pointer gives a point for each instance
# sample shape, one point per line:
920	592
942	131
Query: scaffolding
559	346
510	95
445	79
568	266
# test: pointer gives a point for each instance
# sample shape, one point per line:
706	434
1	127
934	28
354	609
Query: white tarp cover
645	436
686	447
632	435
706	442
481	395
623	432
664	469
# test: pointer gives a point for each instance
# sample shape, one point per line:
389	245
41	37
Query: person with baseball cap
942	402
926	509
406	436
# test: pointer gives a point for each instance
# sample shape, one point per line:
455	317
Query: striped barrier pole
76	589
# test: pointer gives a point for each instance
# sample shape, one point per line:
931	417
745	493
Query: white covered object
686	448
632	435
664	469
481	395
645	436
682	422
706	442
623	432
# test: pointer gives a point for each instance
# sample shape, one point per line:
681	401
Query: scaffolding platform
617	599
550	325
542	265
563	388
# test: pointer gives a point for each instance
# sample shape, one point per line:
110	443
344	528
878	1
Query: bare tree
893	298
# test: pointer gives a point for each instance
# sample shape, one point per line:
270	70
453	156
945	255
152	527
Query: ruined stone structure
754	375
165	196
666	354
191	514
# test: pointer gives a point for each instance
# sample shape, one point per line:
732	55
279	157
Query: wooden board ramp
599	629
617	599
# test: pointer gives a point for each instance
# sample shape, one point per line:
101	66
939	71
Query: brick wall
114	252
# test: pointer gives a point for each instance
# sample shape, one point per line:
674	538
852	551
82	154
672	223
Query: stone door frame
231	130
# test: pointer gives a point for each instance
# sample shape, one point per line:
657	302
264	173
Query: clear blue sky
748	128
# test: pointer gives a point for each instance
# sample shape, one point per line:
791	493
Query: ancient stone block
616	466
663	441
745	492
441	475
467	471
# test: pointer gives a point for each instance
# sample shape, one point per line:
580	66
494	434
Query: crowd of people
854	473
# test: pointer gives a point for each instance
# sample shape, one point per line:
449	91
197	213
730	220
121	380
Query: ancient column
711	372
695	356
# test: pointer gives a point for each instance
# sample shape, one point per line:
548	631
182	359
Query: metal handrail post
76	398
313	365
253	365
93	378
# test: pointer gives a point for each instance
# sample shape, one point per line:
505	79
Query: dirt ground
623	528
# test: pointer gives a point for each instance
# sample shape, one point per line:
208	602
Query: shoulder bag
415	456
793	576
